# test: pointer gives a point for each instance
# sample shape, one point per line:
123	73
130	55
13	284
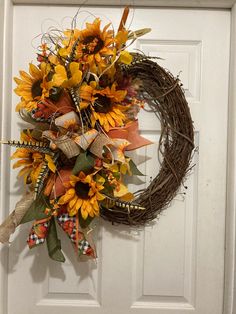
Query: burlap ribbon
13	220
64	143
118	140
68	146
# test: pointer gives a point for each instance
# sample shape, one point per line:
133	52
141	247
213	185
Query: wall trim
230	244
227	4
6	8
5	130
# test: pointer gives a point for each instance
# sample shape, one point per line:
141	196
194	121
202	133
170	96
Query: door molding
227	4
6	19
230	244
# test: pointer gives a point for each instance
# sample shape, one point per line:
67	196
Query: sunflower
105	105
95	45
31	162
32	87
83	193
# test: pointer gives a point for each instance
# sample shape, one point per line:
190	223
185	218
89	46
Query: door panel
175	265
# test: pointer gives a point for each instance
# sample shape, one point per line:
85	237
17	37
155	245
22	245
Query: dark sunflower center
82	190
92	44
102	104
36	89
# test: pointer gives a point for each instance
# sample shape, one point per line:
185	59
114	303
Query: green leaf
54	244
36	210
85	222
84	162
116	175
134	169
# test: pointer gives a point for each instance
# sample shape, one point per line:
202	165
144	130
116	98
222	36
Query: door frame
6	19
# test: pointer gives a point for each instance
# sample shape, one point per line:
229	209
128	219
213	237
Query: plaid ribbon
69	225
39	232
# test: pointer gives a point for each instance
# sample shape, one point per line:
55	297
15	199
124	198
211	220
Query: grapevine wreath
82	100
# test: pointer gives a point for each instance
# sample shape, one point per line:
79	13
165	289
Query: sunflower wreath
82	100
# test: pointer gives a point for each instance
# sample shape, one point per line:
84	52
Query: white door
175	266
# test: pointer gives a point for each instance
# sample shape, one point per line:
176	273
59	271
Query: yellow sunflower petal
78	203
24	171
45	68
53	59
97	57
86	92
75	73
72	202
20	153
74	68
75	79
89	208
96	206
35	173
60	75
84	213
83	105
35	71
121	37
26	77
18	81
106	126
67	197
125	57
21	163
100	197
50	162
110	120
72	211
88	179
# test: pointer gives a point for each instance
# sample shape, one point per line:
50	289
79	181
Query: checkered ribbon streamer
68	224
38	233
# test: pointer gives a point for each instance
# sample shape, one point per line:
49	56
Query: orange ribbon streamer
130	132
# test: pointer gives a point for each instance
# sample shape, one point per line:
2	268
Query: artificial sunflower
95	45
31	162
33	87
105	105
83	194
